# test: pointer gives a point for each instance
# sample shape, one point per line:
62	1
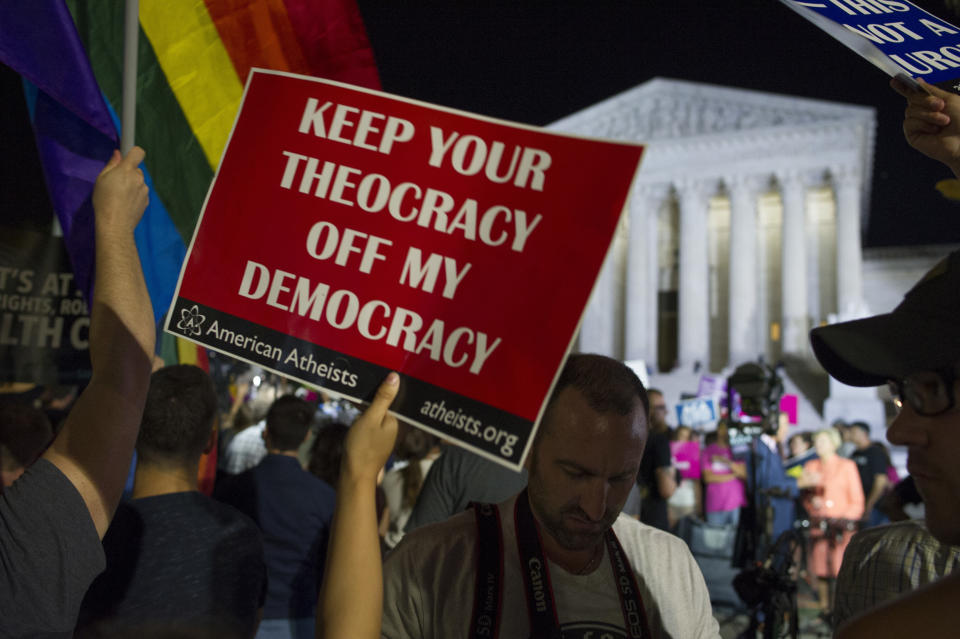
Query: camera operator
778	491
767	542
772	493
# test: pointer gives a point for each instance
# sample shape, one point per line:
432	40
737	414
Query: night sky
535	62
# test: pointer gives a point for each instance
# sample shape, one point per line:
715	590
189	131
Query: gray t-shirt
457	478
49	554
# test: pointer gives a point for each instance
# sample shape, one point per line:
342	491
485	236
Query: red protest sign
349	233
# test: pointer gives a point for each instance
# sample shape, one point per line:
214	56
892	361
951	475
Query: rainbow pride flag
194	56
193	59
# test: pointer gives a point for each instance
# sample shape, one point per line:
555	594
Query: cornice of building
707	132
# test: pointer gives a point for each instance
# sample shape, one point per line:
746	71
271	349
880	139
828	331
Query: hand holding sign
352	595
120	194
931	122
371	438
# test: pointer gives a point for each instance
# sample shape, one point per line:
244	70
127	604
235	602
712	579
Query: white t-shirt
393	492
429	585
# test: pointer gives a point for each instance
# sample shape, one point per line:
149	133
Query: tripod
770	589
767	584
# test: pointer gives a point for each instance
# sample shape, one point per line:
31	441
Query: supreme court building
744	224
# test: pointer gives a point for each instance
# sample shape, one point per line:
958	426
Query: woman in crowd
416	451
834	505
724	479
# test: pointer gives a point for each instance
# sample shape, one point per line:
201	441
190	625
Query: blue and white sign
895	35
697	412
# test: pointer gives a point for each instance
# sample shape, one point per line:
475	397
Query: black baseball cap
921	333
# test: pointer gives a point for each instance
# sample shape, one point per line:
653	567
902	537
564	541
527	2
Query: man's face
783	427
658	410
859	437
797	446
723	434
582	469
933	445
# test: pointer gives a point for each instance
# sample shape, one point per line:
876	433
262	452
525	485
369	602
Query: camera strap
544	623
488	589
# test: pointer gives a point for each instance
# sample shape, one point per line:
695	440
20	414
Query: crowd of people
292	541
835	478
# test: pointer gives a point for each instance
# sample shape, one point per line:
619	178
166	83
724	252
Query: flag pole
128	111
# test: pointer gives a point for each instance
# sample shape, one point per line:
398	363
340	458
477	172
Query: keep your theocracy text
495	225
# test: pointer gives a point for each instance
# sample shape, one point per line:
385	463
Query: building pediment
664	109
712	133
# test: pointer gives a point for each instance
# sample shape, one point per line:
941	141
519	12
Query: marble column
744	193
598	329
793	266
693	308
846	183
641	296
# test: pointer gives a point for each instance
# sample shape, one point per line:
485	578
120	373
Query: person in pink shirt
723	477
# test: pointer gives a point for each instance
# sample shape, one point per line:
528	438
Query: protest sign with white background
895	35
348	233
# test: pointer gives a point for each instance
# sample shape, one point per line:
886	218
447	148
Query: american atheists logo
191	321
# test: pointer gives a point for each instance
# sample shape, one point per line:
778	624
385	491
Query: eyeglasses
929	393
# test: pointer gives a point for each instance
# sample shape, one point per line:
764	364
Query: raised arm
351	599
95	446
931	122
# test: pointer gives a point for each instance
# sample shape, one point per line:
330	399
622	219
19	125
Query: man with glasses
916	349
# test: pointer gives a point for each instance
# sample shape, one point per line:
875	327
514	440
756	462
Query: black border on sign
508	423
355	379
